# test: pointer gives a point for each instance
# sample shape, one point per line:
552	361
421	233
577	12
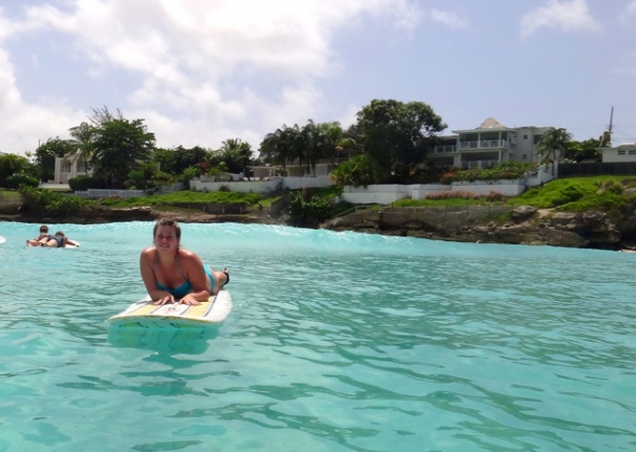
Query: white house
487	145
622	153
69	166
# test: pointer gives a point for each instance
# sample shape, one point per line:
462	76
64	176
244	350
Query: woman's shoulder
187	255
150	251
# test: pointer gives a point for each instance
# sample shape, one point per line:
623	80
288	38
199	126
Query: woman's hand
164	300
189	299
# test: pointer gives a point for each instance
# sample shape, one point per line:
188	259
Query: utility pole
610	126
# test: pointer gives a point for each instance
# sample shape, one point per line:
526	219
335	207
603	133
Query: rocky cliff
523	225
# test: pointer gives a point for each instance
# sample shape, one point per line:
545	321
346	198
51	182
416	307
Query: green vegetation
50	203
604	193
578	194
10	195
361	170
501	171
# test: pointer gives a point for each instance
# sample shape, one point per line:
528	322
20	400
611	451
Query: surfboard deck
2	240
146	315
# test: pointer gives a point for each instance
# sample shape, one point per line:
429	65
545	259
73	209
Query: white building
620	154
487	145
69	166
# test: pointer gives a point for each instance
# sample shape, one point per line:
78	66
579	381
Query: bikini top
179	292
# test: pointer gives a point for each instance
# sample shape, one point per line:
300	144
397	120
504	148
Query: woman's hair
59	234
167	222
44	228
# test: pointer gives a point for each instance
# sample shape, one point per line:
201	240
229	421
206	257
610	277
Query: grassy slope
571	194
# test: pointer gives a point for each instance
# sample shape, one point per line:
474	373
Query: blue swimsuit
185	288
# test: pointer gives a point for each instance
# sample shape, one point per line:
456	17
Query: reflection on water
164	341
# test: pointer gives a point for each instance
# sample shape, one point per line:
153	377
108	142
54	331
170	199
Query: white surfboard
2	240
67	246
146	315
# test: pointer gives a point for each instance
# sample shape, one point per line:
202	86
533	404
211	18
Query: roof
491	123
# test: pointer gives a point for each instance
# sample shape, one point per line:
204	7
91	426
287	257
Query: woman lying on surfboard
172	274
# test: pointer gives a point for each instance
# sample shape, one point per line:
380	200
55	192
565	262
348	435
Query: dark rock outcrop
524	226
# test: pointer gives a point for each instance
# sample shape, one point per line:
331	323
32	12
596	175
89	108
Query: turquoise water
336	342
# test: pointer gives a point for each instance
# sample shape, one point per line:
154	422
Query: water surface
336	342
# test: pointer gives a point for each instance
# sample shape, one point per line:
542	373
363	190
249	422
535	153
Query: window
632	152
524	157
621	152
65	167
525	137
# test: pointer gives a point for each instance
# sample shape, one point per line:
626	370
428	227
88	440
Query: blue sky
202	71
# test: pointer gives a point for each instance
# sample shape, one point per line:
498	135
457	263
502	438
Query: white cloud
184	53
568	16
630	10
448	18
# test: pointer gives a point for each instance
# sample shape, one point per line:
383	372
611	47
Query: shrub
47	202
501	171
82	183
454	194
308	213
17	180
361	170
448	178
610	186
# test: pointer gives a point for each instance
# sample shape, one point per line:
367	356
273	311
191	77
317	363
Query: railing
445	148
97	193
484	144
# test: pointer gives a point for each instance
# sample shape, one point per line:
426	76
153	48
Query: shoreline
513	233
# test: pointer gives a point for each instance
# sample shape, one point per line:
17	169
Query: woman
172	273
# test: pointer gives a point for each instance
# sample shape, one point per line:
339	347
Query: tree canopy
397	134
119	146
554	141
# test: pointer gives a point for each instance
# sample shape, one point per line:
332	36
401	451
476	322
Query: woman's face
166	238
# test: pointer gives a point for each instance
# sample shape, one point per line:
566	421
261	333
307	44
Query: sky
199	72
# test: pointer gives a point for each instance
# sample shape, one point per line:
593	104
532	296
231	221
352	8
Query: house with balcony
69	166
487	145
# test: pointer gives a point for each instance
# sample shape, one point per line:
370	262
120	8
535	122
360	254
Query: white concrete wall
99	193
307	182
505	187
543	175
423	191
386	194
239	187
263	186
375	194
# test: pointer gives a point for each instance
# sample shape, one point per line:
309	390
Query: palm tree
237	154
82	140
553	141
276	148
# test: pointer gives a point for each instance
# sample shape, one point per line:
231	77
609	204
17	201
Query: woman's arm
150	279
195	273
